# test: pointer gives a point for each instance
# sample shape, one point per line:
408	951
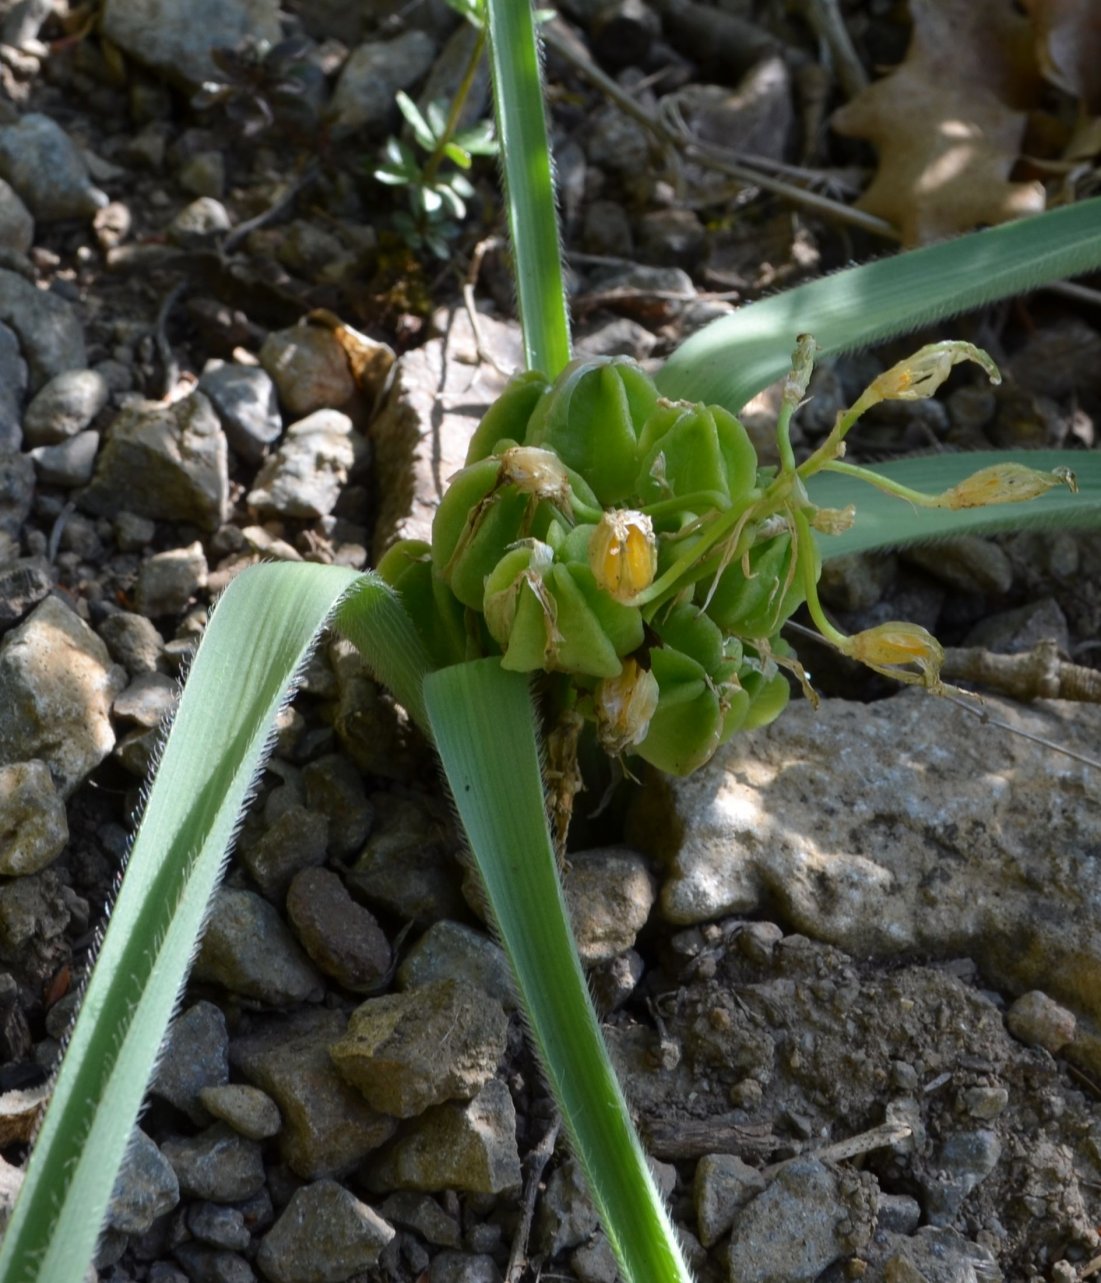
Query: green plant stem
432	164
484	725
529	185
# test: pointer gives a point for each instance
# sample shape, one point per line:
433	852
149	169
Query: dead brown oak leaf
1068	46
947	123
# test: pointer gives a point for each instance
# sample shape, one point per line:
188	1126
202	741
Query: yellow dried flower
623	553
833	521
1005	483
920	375
624	706
888	646
536	472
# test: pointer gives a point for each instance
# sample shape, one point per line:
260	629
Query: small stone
408	1051
463	1267
932	1254
217	1165
610	893
16	491
335	788
328	1128
723	1183
133	533
145	1188
450	949
133	641
16	220
23	583
607	229
57	685
309	368
968	564
1039	1021
33	827
421	1213
985	1102
375	71
195	1056
169	461
69	464
248	949
565	1215
219	1226
46	168
305	475
672	238
51	335
898	1214
594	1261
13	388
342	938
148	700
248	1110
32	908
168	581
964	1161
324	1235
198	222
245	400
65	406
204	175
469	1147
618	337
296	839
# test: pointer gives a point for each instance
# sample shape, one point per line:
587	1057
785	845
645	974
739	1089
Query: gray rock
469	1147
195	1056
969	564
197	222
1038	1021
148	700
145	1188
407	1051
796	1228
13	388
962	1163
247	949
217	1164
50	333
168	581
450	949
898	1214
46	168
757	116
245	400
328	1128
204	174
64	406
916	795
23	584
133	533
57	685
607	229
177	41
219	1226
16	220
324	1235
935	1255
672	237
857	582
1012	632
32	909
309	368
594	1261
565	1215
463	1267
984	1102
723	1183
618	337
449	70
335	788
342	937
421	1213
69	464
169	461
133	641
16	492
616	143
248	1110
295	840
205	1264
305	475
610	894
34	828
375	71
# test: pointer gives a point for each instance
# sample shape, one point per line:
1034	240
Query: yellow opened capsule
624	706
623	553
1005	483
536	472
889	645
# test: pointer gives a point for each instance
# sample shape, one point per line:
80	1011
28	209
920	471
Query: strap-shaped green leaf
484	725
260	635
731	360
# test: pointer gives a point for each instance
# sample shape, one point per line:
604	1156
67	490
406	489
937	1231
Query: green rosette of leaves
634	546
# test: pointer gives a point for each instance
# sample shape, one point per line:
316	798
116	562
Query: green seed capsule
690	450
508	416
591	419
436	613
755	605
686	727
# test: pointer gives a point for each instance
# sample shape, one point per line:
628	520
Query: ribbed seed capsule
623	553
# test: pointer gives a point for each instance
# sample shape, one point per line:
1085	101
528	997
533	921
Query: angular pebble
410	1050
33	824
13	388
309	368
469	1147
297	839
169	580
169	461
451	949
133	641
217	1165
247	949
245	400
325	1235
342	937
16	220
46	168
51	335
65	406
146	1187
375	71
1039	1021
723	1183
219	1226
610	893
69	463
23	584
148	700
328	1128
195	1056
304	477
57	685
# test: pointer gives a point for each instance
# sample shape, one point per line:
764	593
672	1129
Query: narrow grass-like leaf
257	641
883	521
731	360
484	725
529	185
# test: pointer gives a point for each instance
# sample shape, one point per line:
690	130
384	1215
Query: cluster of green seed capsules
636	546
